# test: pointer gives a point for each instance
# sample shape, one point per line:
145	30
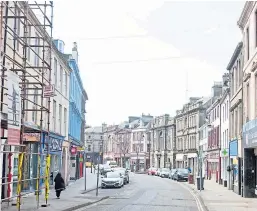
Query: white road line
198	202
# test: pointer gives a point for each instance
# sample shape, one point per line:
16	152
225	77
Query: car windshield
165	170
183	171
112	175
121	171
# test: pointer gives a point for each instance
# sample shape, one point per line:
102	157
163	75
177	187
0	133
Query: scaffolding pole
26	47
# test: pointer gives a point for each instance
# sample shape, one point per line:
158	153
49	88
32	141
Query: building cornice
244	17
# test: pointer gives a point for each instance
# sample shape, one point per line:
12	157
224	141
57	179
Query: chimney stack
75	54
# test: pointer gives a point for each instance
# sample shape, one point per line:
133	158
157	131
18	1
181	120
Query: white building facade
224	137
59	107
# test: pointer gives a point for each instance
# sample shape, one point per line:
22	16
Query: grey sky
133	70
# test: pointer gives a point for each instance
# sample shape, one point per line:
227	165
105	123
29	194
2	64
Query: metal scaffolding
26	46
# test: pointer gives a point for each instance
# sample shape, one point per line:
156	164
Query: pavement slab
71	198
217	197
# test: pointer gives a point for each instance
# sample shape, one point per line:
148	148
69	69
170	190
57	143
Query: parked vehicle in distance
112	163
164	172
181	175
124	173
112	179
106	168
158	172
152	171
171	174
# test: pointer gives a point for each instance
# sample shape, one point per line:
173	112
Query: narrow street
146	193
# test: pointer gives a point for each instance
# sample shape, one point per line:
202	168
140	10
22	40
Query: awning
191	155
179	157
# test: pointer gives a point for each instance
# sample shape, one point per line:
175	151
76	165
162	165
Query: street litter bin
191	179
200	181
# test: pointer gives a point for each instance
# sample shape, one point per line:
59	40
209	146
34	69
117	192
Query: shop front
234	173
30	166
65	161
54	148
180	160
250	159
224	154
213	165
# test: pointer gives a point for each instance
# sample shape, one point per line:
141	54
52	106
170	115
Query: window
218	112
236	121
61	76
232	125
55	72
18	27
37	52
223	112
65	121
29	43
35	102
65	83
232	82
240	72
89	148
248	101
255	28
247	44
255	95
54	115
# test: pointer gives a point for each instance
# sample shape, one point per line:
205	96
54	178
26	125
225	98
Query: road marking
198	202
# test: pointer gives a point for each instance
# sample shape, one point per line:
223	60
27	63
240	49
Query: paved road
147	193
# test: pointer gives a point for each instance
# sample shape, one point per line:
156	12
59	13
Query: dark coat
59	182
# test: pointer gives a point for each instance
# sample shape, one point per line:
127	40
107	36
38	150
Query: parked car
106	169
124	173
112	179
181	174
164	172
158	172
171	174
151	171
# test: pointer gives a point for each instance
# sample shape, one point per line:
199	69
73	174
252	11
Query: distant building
94	144
161	134
188	121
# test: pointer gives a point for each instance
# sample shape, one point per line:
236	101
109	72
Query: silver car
164	173
112	179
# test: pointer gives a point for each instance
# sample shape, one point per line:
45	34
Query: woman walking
59	185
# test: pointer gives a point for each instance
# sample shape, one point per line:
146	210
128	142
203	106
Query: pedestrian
59	185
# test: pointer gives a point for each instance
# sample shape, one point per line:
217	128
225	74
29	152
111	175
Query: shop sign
80	149
224	152
213	155
73	150
55	144
32	137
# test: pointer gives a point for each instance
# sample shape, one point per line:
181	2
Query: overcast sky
134	56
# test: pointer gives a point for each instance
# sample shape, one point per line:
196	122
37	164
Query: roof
235	55
97	129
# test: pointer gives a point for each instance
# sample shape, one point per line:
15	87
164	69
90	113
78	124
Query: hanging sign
49	91
73	150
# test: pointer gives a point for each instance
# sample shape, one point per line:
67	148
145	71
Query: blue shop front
235	164
55	150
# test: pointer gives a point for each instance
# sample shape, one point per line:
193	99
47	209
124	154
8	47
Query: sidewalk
72	197
217	197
